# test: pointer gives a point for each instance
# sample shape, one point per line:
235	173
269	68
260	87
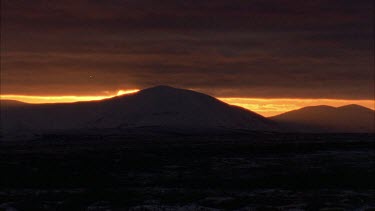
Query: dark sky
231	48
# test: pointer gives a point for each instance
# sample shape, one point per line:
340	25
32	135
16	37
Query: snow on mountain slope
160	106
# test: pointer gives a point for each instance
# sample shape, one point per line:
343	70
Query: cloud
284	48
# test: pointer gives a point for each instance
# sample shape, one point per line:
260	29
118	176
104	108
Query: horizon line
264	106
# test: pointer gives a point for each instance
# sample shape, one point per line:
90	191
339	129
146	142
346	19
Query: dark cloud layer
258	48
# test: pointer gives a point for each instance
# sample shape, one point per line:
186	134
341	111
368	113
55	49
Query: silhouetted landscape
176	109
180	105
161	106
167	149
349	118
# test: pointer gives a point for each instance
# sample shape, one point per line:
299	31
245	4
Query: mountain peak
160	88
159	106
348	118
352	106
163	91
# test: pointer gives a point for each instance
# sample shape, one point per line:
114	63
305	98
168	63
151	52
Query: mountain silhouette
350	118
160	106
7	103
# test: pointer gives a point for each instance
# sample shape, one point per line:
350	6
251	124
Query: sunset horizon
264	106
187	105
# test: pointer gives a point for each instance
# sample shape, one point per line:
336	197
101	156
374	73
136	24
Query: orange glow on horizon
264	106
275	106
125	92
63	99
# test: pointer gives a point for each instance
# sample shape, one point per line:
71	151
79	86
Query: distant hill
349	118
8	103
160	106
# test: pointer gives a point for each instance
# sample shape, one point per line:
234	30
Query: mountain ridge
347	118
168	107
162	106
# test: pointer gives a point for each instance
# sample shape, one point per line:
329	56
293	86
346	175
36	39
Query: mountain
160	106
9	103
349	118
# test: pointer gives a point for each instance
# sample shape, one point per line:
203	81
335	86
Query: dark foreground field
196	172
